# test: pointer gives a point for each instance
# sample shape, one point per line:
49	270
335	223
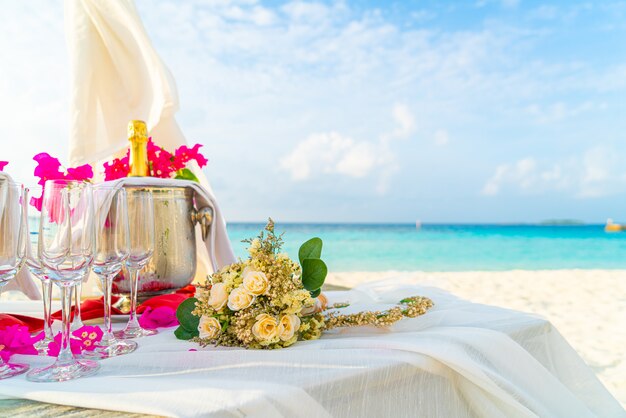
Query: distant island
561	222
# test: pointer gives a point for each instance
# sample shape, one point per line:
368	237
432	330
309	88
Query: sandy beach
588	307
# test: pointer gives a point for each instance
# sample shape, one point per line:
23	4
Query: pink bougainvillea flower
17	340
162	163
161	317
89	337
184	154
54	346
49	168
3	164
85	338
116	169
80	173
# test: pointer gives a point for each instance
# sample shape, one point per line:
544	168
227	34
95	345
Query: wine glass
66	245
36	268
111	252
141	226
12	248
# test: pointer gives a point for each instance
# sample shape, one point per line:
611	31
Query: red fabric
33	324
91	309
189	289
94	308
171	301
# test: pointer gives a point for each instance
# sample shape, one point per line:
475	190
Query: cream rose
290	324
255	282
218	296
239	299
266	328
209	327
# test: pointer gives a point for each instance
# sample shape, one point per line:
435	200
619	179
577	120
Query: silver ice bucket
173	265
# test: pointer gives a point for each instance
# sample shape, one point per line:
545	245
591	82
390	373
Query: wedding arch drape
117	76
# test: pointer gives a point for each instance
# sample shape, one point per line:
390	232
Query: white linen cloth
217	245
23	281
459	360
118	76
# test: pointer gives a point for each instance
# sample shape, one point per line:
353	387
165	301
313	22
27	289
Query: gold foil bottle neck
137	129
138	137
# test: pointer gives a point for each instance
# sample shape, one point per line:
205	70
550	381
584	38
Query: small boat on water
613	227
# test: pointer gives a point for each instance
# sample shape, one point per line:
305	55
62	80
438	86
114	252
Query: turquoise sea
435	247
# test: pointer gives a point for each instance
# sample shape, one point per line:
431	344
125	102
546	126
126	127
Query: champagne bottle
138	137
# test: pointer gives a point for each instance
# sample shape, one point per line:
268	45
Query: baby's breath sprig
409	307
270	243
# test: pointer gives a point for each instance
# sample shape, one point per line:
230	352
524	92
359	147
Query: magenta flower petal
16	340
3	164
161	317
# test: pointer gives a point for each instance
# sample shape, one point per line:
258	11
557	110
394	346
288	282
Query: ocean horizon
450	247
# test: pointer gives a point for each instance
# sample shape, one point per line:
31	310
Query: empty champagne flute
66	245
141	226
12	248
36	268
111	252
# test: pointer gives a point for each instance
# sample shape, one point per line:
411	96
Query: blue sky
486	111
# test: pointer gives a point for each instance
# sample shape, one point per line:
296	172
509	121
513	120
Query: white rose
240	299
266	328
290	324
218	296
255	282
209	327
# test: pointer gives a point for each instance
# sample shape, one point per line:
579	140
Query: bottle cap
137	128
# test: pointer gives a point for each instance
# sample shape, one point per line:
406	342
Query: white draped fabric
459	360
117	76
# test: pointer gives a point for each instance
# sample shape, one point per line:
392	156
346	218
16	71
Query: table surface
360	371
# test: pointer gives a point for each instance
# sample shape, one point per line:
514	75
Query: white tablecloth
458	360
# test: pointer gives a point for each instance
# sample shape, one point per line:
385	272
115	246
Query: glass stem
65	354
77	294
2	363
107	284
134	284
46	291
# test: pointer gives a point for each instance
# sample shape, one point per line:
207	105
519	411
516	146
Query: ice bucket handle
204	217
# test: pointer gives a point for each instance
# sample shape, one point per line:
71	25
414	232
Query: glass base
63	372
42	346
12	369
134	333
114	349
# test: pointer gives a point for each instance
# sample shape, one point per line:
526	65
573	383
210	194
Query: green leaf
310	249
183	334
186	319
316	293
186	174
314	273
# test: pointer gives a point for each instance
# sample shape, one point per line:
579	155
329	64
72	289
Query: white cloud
332	153
441	137
405	120
599	171
560	111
